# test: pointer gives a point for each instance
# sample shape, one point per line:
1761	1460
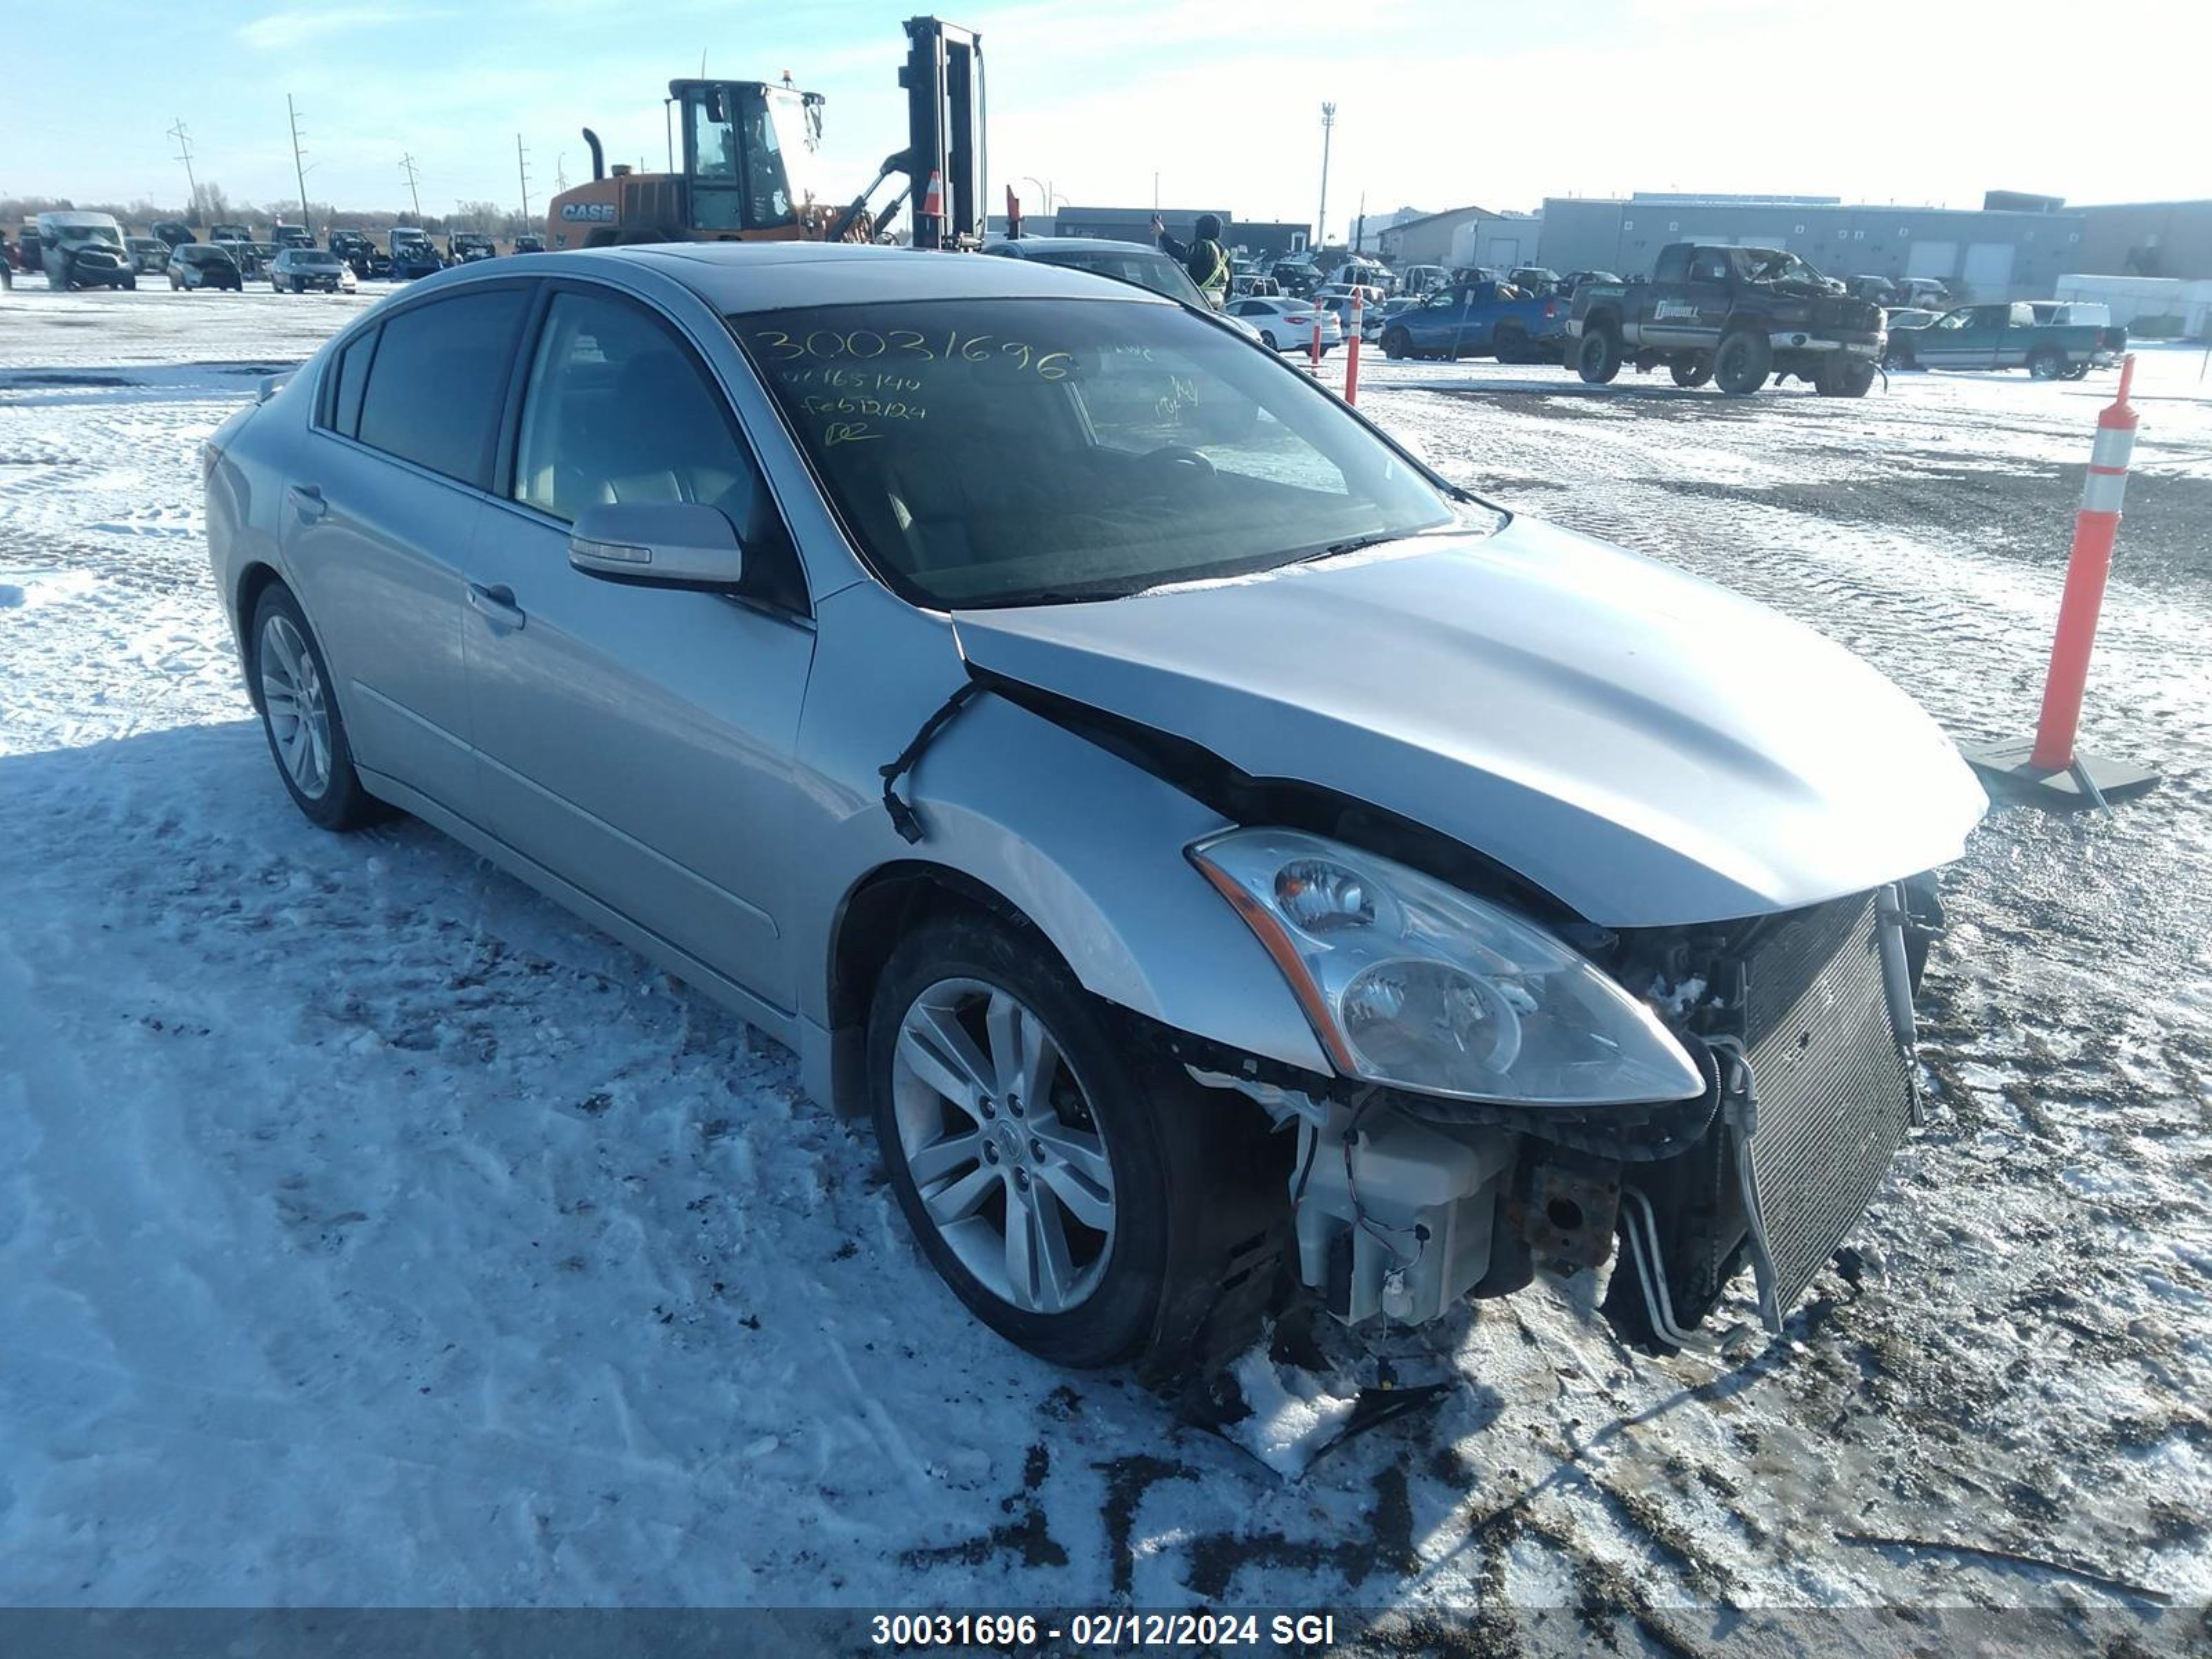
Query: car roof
737	278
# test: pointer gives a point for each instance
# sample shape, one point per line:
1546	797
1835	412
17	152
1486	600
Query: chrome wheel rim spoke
998	1139
292	699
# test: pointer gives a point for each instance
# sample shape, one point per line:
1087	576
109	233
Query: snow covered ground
373	1233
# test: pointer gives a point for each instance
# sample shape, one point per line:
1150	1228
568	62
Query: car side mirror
673	544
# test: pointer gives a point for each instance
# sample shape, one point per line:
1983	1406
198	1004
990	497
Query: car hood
1649	748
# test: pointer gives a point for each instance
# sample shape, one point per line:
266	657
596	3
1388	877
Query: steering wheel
1188	461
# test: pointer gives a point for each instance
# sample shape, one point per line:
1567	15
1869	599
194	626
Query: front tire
291	686
1598	359
1741	364
1023	1136
1396	344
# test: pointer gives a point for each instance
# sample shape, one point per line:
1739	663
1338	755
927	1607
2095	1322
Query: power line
407	166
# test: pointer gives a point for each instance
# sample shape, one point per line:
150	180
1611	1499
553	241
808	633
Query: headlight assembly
1412	983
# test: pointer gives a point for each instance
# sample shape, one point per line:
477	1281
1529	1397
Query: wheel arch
256	579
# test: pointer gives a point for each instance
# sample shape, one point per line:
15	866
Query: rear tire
2046	364
1843	377
972	1020
1691	371
1741	364
291	685
1597	360
1510	345
1267	339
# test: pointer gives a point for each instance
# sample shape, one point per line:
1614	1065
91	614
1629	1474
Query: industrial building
1255	236
2171	239
1988	253
1462	236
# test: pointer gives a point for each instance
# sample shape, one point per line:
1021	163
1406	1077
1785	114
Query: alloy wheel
295	705
1005	1152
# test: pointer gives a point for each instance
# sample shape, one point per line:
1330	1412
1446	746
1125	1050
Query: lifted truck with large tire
1732	315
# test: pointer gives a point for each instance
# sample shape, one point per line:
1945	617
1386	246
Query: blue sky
1439	101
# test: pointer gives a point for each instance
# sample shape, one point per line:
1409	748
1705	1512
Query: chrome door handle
496	604
307	501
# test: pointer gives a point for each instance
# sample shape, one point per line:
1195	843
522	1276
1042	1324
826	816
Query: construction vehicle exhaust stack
750	153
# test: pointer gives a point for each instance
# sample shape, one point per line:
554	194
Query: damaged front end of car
1514	1098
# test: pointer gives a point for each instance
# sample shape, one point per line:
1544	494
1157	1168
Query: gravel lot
426	1248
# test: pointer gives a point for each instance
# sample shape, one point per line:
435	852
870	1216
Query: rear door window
439	378
349	379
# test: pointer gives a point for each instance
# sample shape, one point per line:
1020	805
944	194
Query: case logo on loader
589	212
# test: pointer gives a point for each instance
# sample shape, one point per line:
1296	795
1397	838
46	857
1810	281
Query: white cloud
281	29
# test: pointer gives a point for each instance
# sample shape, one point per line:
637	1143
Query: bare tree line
216	207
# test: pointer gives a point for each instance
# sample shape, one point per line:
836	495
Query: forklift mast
943	83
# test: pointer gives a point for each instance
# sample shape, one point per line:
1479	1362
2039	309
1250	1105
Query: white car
1285	325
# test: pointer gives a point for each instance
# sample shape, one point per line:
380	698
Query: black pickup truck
1732	315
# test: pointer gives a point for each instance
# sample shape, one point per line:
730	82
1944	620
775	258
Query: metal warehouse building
1988	253
1134	225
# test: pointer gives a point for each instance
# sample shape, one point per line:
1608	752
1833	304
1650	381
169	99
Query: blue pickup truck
1476	319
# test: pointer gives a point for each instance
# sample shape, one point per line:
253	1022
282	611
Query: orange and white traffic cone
1351	355
2050	766
931	227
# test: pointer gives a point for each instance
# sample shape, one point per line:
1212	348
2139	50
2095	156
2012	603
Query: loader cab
750	153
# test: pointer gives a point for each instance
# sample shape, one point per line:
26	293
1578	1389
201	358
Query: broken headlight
1415	984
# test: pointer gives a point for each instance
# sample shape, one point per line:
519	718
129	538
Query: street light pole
1327	129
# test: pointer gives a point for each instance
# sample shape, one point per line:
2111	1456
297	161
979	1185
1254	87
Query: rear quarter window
438	380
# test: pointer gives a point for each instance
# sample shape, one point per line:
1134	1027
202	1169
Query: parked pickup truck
1731	315
1473	320
2009	337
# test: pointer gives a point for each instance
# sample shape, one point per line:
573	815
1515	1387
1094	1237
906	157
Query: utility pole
299	170
522	168
185	155
1359	227
1327	128
407	166
560	173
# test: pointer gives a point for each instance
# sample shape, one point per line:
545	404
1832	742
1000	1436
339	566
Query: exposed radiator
1834	1087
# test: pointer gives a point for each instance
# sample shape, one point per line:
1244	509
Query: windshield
68	234
794	133
313	261
198	254
1019	452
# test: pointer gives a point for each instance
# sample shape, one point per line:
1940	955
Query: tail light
1551	309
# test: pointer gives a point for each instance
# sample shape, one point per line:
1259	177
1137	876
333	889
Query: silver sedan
1228	862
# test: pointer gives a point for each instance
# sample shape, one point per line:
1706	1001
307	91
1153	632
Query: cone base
2008	768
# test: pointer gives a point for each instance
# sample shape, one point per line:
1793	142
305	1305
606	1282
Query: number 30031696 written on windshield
878	377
